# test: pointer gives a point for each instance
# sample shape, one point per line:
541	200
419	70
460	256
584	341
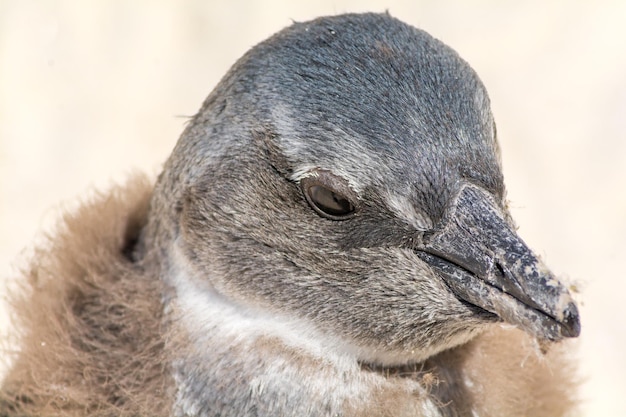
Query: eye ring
326	200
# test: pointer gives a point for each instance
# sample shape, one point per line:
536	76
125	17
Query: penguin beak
485	263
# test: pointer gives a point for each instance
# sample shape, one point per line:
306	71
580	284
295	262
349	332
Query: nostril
499	269
508	282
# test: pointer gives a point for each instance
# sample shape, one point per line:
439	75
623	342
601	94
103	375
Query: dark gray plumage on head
339	193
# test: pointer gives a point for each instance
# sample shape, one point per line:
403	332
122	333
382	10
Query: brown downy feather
501	373
89	319
505	372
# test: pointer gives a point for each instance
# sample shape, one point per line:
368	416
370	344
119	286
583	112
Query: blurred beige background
90	91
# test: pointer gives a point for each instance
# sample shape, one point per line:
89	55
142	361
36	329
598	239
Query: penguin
329	237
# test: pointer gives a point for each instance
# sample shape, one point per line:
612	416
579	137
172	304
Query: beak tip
571	321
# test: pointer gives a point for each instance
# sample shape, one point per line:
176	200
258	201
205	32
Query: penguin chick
330	237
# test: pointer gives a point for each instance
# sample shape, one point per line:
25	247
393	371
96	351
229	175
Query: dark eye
327	202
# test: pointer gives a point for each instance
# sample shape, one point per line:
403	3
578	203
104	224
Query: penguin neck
229	356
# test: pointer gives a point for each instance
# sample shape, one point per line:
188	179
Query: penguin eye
326	201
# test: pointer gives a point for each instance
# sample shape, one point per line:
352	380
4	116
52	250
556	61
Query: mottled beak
484	262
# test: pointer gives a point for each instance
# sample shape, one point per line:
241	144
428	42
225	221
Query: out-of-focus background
90	91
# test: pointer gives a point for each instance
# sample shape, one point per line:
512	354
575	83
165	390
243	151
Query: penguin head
346	172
